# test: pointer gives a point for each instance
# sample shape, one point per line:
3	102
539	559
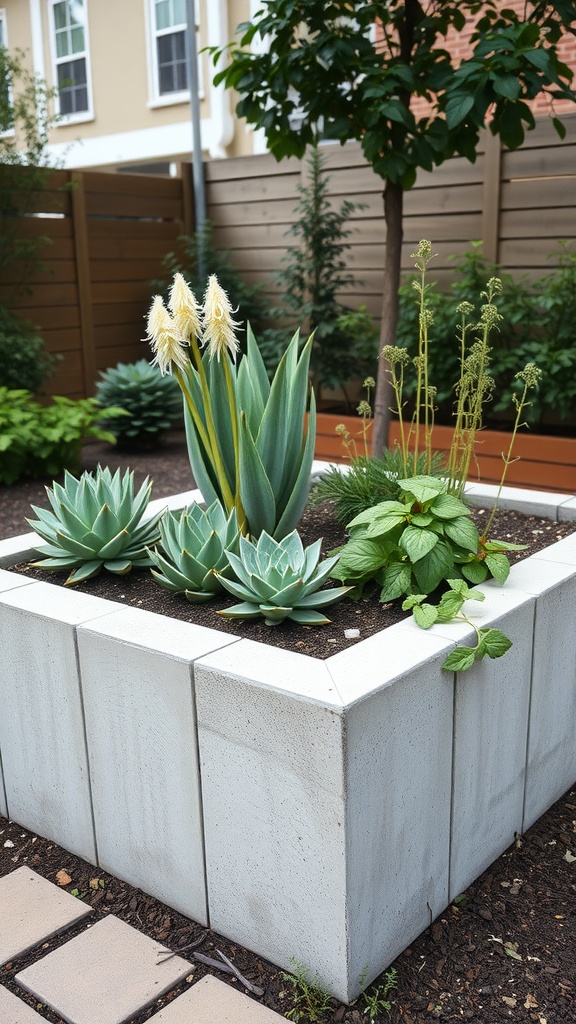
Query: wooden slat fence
108	234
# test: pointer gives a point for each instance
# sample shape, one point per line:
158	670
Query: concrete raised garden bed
321	810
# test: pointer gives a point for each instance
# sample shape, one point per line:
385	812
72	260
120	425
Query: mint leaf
499	566
425	615
462	532
422	488
447	506
449	606
494	642
417	542
435	567
460	659
396	581
412	600
475	571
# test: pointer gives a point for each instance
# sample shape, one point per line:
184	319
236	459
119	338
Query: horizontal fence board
108	206
541	224
126	313
110	335
112	355
535	194
240	167
131	185
47	295
253	189
539	163
122	292
125	270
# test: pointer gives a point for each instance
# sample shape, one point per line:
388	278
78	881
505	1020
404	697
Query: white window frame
158	99
83	115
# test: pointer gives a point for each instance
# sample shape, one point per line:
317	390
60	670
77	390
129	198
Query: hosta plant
193	551
280	580
153	401
95	523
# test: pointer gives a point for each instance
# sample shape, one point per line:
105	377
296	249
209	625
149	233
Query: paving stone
31	910
119	970
15	1011
211	1001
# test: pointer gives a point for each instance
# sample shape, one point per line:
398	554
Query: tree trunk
393	210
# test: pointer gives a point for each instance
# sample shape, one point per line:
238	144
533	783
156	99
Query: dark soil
504	951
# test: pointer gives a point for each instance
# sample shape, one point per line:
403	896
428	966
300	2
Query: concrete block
15	1011
567	511
398	768
42	724
117	974
32	909
272	765
18	549
531	503
12	580
173	502
551	759
563	551
211	1001
136	672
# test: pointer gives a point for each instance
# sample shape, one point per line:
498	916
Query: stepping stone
105	975
32	909
14	1011
211	1001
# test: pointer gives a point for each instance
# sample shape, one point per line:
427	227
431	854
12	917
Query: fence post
491	197
188	214
82	257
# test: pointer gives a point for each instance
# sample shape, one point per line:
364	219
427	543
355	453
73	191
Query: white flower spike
165	338
184	308
218	323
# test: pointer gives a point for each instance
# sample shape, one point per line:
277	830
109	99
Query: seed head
166	341
530	375
218	323
184	308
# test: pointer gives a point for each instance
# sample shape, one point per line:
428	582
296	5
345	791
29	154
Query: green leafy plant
153	401
313	275
377	999
280	580
24	362
95	523
193	545
536	326
41	440
311	1003
238	454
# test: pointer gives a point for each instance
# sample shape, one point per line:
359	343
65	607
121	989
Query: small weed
310	1002
377	1000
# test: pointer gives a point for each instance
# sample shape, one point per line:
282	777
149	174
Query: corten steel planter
320	810
544	462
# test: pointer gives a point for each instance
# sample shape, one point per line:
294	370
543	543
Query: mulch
503	951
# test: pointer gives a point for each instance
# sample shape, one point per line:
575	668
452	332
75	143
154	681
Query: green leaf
425	615
397	579
475	571
446	506
412	601
495	642
507	86
450	604
435	567
422	488
377	512
457	108
499	566
463	532
417	542
360	557
460	659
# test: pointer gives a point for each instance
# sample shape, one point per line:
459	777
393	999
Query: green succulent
280	580
95	524
194	543
153	401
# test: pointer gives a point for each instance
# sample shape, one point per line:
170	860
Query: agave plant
280	580
194	543
154	402
95	524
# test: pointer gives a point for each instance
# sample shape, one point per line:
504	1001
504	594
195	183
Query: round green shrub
153	401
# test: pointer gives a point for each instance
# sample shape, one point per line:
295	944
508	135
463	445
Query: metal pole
197	164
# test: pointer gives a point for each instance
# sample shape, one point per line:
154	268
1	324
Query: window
169	27
70	50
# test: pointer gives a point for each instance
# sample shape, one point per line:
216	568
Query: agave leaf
274	613
56	563
240	570
257	366
237	589
271	441
294	548
323	571
210	554
169	578
291	594
241	611
256	494
294	506
55	551
200	462
71	521
115	546
220	406
84	572
199	596
120	566
106	524
323	597
138	507
76	546
307	617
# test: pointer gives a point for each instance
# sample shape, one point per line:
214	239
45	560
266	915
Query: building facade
121	75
